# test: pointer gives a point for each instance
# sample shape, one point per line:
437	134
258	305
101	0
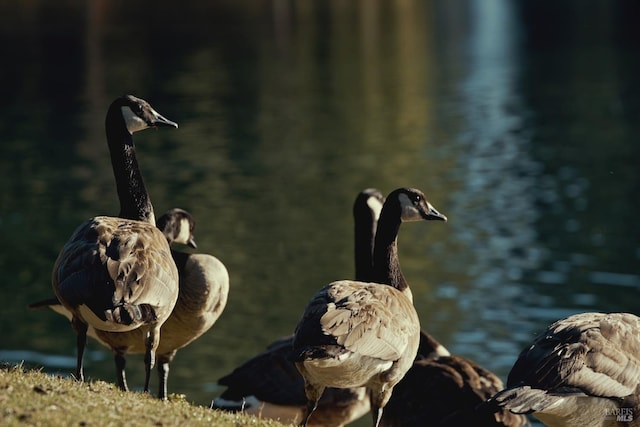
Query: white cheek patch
132	121
375	205
184	235
442	351
409	211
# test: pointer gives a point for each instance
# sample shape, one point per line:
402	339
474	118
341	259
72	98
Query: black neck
134	199
180	258
386	265
364	234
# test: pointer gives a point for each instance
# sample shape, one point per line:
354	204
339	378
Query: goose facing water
116	273
269	385
203	293
583	371
355	334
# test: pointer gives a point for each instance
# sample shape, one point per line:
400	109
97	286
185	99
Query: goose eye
136	108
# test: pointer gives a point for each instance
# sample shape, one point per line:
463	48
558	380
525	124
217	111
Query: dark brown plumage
442	389
269	386
116	274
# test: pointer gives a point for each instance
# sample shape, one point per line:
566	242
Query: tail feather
316	352
523	400
128	314
45	303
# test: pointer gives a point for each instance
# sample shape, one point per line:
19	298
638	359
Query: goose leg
120	371
163	376
151	344
377	415
81	342
378	399
311	406
313	393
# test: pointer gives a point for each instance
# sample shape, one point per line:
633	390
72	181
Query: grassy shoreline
31	397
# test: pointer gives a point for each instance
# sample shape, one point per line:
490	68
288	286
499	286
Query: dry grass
29	397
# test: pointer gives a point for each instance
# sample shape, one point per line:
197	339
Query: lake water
519	120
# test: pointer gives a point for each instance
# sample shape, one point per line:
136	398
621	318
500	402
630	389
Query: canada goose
442	389
584	371
204	288
269	385
116	273
355	334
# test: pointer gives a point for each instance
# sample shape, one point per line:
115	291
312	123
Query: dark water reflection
524	134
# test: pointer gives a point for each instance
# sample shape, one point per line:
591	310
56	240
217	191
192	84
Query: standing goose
203	293
442	389
204	288
269	385
583	371
355	334
116	274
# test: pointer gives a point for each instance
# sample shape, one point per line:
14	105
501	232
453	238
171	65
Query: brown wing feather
370	319
596	353
204	288
110	263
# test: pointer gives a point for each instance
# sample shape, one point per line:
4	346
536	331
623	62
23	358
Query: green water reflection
524	136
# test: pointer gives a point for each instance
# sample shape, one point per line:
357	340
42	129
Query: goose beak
160	121
433	214
192	243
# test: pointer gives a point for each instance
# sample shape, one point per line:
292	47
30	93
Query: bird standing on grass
355	334
116	274
203	293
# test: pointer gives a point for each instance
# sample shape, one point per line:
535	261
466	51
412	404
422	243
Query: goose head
414	206
368	203
126	115
138	114
177	225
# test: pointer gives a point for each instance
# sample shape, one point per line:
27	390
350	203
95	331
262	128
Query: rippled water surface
519	120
